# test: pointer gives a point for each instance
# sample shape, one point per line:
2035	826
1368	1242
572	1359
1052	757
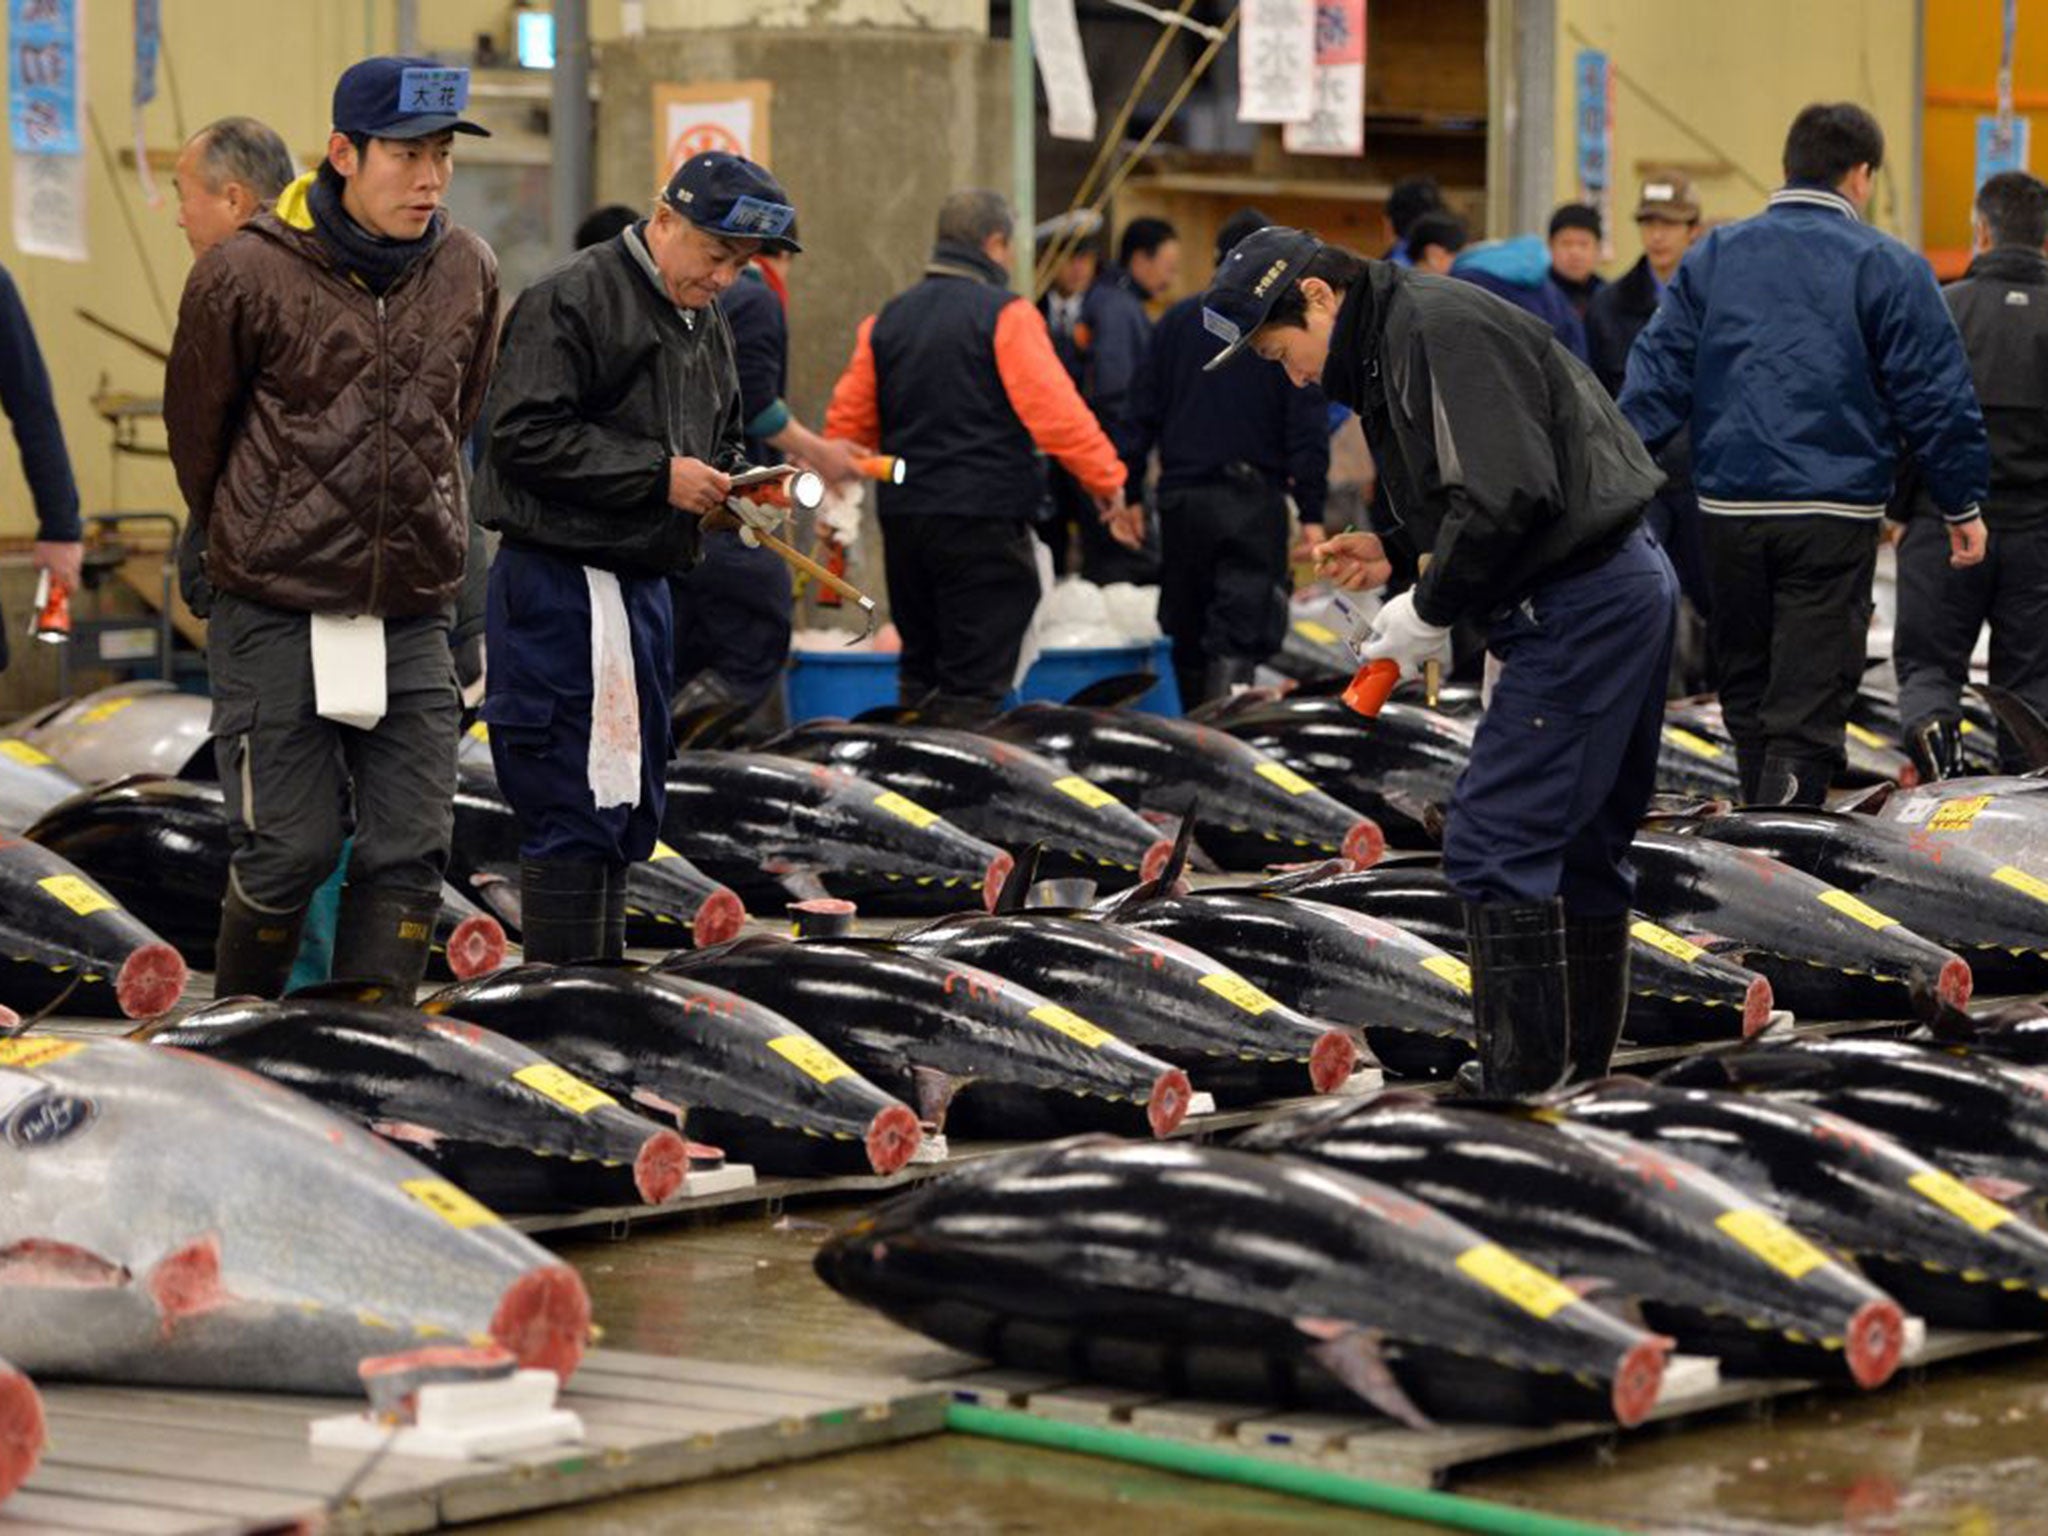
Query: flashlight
804	490
52	622
885	467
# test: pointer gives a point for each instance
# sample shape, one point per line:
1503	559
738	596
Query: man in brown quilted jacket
328	361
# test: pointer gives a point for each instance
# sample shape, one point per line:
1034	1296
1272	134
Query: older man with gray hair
227	173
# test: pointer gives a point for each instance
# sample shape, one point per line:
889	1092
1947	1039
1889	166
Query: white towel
348	669
614	762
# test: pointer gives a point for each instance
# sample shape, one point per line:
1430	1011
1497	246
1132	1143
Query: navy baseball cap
730	195
398	98
1259	269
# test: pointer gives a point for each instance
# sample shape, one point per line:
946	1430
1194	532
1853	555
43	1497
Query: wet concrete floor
1963	1452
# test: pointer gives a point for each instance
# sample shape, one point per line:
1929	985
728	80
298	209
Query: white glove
757	514
839	516
1400	635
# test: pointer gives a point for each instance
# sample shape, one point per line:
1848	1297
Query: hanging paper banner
49	206
148	40
2001	146
1056	41
1594	115
1338	126
1276	61
44	65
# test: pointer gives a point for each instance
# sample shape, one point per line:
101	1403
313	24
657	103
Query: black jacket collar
2012	264
950	258
1351	370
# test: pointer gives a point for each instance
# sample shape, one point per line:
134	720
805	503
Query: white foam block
461	1421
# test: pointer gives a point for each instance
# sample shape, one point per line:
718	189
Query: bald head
228	172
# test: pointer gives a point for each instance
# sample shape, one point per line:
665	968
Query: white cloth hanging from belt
614	761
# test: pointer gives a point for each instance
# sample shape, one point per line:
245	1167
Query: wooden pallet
162	1462
1363	1444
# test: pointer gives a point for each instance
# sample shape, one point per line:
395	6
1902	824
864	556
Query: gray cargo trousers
298	785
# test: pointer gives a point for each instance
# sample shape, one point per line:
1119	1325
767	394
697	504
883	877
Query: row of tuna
1794	1208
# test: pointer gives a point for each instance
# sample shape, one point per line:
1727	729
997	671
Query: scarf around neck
372	260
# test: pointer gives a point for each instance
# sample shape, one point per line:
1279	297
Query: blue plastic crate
840	684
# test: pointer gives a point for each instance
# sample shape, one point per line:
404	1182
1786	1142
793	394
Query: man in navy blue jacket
32	411
1803	347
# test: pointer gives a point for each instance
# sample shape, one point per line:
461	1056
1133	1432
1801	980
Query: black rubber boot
1519	997
1936	747
1793	781
1596	953
383	937
562	909
615	877
1225	675
253	955
1749	768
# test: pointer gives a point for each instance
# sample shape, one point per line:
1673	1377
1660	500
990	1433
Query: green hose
1446	1509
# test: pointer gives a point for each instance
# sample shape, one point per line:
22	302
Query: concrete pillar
569	171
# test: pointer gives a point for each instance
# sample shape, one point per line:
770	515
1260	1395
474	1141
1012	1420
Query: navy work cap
730	195
398	98
1259	269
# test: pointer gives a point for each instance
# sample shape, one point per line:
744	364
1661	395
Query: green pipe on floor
1445	1509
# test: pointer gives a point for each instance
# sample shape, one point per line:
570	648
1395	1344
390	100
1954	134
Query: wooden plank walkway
162	1462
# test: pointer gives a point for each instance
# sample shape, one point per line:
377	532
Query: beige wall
1736	71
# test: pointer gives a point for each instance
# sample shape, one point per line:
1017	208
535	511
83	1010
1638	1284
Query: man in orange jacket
957	377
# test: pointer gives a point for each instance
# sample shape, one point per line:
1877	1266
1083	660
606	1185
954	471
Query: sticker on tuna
662	851
1698	746
1959	1200
1091	795
479	732
565	1088
2021	881
77	895
1520	1281
1233	988
1071	1024
1864	734
1772	1241
1667	941
103	712
900	805
810	1058
1849	906
31	1051
452	1205
1451	969
1956	815
1285	777
45	1117
25	754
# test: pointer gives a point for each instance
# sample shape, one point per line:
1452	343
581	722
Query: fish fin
1434	821
1175	866
1016	891
802	884
2004	1191
935	1090
1865	802
647	1098
2021	720
887	714
1227	706
707	726
1117	692
1356	1357
38	1262
1292	877
407	1134
498	894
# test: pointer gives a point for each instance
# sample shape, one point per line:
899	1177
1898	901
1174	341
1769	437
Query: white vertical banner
1276	61
1338	126
49	206
1056	42
45	70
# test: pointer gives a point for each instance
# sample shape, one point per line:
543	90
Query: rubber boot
1749	768
254	953
1936	747
1793	781
1519	997
562	909
1596	951
1225	675
615	877
383	937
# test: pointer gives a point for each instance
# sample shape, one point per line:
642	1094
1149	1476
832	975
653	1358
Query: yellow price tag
810	1058
1451	969
1321	634
77	895
1091	795
1285	777
1233	988
1959	1200
2021	881
909	810
662	851
565	1088
1517	1279
1772	1241
1868	737
452	1205
1698	746
23	753
1956	815
31	1051
1849	906
1072	1025
479	732
1663	938
105	711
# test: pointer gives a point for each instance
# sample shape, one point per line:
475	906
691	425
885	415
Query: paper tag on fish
662	851
349	669
479	732
810	1058
1321	634
1285	777
2021	881
1959	1200
1956	815
1071	1024
1520	1281
1772	1241
77	895
899	805
1233	988
1698	746
1091	795
450	1204
1665	940
31	1051
105	710
1451	969
25	754
1849	906
1868	737
565	1088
